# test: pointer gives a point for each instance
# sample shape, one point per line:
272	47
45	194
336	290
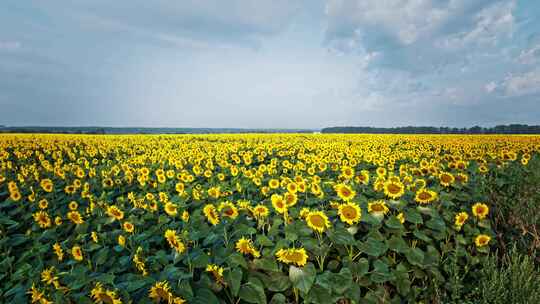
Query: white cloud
490	87
407	21
529	56
491	23
9	45
522	84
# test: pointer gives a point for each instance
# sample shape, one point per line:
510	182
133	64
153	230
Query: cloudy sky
269	63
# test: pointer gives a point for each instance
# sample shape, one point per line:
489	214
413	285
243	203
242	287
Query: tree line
499	129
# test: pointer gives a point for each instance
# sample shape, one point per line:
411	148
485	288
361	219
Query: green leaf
277	282
205	296
436	224
393	223
253	291
265	264
278	298
320	295
415	256
237	259
341	236
101	256
233	278
373	247
397	244
413	216
302	278
342	280
359	268
264	241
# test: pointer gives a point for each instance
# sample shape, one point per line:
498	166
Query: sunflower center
317	220
424	195
349	212
393	188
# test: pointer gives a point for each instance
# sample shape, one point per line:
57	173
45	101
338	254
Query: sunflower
43	204
77	253
425	196
114	212
36	295
303	212
394	189
344	192
160	292
292	188
260	211
296	256
273	183
75	217
278	203
462	178
48	277
174	241
122	240
42	219
245	246
94	236
482	240
347	172
102	295
480	210
211	214
171	209
128	227
47	185
349	213
460	219
401	217
362	178
290	198
228	209
446	178
58	251
185	216
216	271
378	208
214	192
317	221
73	205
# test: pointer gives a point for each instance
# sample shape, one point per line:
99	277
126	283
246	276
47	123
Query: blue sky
269	63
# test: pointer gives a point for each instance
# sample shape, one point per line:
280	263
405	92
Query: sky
269	63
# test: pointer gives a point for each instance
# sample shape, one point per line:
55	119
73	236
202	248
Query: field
275	218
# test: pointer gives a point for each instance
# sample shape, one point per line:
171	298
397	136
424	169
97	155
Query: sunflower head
349	213
317	221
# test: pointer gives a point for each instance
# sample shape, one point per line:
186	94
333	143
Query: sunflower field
254	218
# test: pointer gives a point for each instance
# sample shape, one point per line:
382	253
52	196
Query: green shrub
513	279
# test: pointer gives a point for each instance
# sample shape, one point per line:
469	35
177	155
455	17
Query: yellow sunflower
297	256
279	203
482	240
77	253
245	246
378	208
480	210
260	211
115	212
344	192
349	213
228	209
394	189
425	196
101	295
211	214
460	219
317	221
160	292
446	179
